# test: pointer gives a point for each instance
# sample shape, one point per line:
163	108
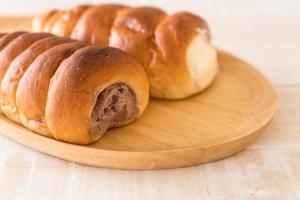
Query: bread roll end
202	61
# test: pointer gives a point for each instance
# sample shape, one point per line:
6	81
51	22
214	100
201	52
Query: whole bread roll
175	50
68	90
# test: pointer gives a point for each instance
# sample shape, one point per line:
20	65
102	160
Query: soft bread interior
202	61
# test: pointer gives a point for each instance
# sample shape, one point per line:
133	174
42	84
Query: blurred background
265	33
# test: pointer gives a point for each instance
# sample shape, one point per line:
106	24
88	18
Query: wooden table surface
264	34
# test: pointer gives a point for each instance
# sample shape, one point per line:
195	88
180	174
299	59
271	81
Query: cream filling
202	61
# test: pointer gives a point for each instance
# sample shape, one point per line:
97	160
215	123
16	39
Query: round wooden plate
217	123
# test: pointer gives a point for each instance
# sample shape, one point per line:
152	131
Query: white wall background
218	6
264	32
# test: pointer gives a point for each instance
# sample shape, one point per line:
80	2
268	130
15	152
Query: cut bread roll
175	50
67	90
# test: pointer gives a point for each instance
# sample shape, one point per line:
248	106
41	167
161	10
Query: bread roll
184	62
86	74
38	23
14	48
32	93
67	21
175	50
16	70
67	90
133	32
95	24
51	20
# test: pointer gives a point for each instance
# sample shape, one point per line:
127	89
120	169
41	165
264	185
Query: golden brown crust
95	24
168	71
51	20
133	32
86	73
16	47
64	25
33	87
159	42
39	22
30	61
16	70
7	38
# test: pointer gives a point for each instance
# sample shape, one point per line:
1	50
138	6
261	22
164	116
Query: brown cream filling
115	106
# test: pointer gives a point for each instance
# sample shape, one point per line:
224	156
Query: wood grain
268	169
223	120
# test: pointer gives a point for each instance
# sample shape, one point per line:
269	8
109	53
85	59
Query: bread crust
51	20
95	24
33	87
88	72
64	25
40	72
16	71
168	70
160	43
38	23
133	32
7	38
15	47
